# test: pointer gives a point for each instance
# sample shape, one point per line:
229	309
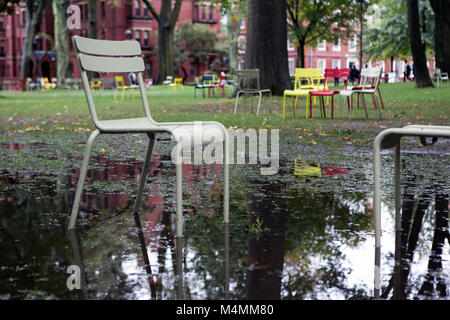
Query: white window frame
290	46
353	43
322	61
322	45
338	46
338	63
291	65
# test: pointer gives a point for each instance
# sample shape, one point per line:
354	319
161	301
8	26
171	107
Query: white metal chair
247	79
370	80
125	57
390	138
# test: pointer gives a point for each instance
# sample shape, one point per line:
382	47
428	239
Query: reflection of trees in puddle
416	214
34	236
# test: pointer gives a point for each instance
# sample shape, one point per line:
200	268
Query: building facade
116	20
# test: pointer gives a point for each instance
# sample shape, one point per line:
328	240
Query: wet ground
290	237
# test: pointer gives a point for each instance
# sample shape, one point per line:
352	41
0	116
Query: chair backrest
120	83
336	73
308	75
207	79
436	72
371	77
109	56
248	79
178	81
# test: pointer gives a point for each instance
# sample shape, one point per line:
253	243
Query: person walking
407	72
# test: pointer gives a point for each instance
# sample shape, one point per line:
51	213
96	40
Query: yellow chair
120	85
303	169
45	84
177	82
306	80
96	84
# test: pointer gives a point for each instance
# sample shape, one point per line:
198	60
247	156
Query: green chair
124	57
248	83
203	83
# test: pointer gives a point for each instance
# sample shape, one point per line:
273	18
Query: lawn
60	111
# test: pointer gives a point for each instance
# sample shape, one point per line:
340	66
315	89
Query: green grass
61	111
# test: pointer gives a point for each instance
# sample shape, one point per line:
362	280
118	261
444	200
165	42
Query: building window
103	33
290	46
211	12
352	42
137	7
145	11
103	9
203	13
148	69
322	64
322	45
146	38
337	44
243	24
138	36
192	70
291	63
336	64
1	23
241	44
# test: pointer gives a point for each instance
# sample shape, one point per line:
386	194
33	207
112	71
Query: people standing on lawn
407	72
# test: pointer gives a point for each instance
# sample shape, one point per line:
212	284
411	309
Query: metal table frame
390	138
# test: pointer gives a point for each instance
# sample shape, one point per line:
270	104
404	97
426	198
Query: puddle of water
289	238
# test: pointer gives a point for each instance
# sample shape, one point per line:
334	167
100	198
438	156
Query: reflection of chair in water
125	56
390	138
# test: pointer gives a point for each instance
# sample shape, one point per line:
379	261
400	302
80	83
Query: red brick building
118	20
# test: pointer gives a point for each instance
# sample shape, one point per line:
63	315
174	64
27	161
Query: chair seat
296	92
324	93
185	131
360	87
254	90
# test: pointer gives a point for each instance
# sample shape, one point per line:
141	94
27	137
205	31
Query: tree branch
151	9
175	13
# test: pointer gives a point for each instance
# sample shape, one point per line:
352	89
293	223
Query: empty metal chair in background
125	57
370	80
248	83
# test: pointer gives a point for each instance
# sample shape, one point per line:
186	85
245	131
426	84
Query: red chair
329	73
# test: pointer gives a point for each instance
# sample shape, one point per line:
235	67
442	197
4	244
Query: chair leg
226	183
144	173
310	106
236	103
284	106
83	171
293	107
271	101
364	104
381	99
332	107
259	103
379	109
179	198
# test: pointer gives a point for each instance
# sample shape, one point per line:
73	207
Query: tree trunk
422	74
233	33
61	41
32	18
93	19
165	42
301	54
441	10
266	45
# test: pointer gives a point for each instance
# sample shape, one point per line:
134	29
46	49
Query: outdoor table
390	138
